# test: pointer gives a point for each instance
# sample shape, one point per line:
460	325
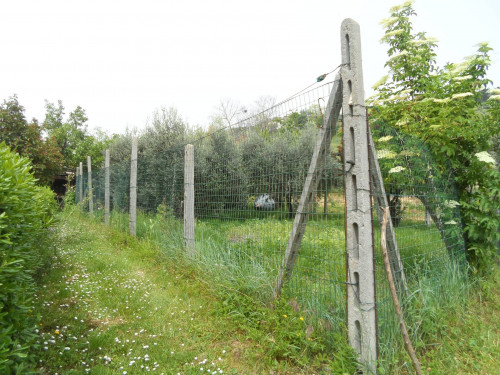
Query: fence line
251	188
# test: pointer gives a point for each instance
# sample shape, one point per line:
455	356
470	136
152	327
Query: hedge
26	212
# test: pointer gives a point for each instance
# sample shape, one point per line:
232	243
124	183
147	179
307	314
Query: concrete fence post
361	303
77	184
106	189
133	189
427	217
189	199
89	187
80	188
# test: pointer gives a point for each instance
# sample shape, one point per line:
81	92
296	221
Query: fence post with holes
361	303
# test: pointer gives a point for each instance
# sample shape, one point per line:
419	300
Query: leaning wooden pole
394	294
321	149
380	199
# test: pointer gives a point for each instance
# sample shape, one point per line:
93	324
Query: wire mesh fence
248	180
423	204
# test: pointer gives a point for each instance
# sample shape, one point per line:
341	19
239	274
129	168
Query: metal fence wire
248	182
425	215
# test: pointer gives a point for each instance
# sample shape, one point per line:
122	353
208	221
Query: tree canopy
56	145
444	107
26	138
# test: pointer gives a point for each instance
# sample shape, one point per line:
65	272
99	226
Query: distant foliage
233	164
26	138
72	136
25	214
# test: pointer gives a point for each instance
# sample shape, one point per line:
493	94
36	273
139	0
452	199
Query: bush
26	211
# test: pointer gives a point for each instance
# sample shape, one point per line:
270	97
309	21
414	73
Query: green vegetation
110	297
25	215
72	136
55	146
114	304
27	139
444	107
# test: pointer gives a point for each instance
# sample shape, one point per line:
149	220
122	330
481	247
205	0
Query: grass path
113	305
109	307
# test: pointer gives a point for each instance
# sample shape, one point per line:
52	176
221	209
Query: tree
229	112
73	137
443	107
27	140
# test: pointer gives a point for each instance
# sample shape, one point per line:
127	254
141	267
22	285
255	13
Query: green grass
246	254
113	303
470	344
233	276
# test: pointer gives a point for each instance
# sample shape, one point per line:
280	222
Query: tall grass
241	258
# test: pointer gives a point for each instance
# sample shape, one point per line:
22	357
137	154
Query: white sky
120	60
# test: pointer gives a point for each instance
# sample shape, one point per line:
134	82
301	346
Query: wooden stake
395	300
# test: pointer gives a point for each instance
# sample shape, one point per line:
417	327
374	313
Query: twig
395	300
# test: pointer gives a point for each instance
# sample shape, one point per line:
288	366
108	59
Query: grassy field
115	304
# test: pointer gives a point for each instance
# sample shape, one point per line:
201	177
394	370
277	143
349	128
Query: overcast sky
120	60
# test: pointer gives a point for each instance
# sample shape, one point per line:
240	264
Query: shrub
26	211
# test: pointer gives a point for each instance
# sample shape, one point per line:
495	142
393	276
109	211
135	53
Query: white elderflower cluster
397	169
485	157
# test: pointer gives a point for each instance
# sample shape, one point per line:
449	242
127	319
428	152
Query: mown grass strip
113	304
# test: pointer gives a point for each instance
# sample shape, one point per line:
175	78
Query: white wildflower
387	22
494	97
385	139
441	100
462	78
462	95
395	97
397	8
484	156
494	91
385	154
400	54
457	69
397	169
380	82
418	42
451	222
388	35
451	203
402	121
